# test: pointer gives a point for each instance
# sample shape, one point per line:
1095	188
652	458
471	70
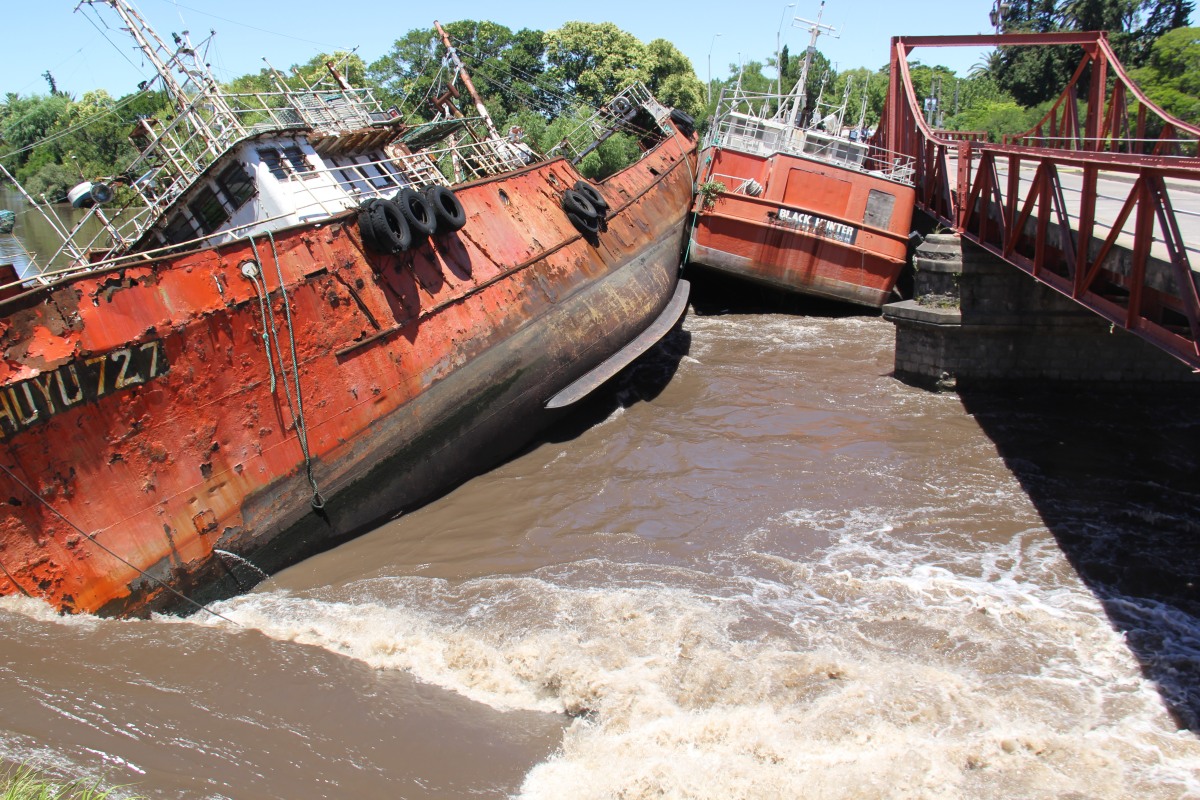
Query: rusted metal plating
156	409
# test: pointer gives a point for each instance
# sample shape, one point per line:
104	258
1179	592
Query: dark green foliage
1171	76
1035	74
51	142
507	67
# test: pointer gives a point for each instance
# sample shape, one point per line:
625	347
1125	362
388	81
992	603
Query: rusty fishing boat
305	327
788	200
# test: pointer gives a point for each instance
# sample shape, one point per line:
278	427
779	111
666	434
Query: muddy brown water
755	566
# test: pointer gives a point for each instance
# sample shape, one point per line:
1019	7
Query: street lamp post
778	52
708	88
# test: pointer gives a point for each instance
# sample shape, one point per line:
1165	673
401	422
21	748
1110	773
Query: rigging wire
479	61
562	100
253	28
626	126
141	69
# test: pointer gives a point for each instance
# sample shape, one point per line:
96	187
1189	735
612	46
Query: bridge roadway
1112	189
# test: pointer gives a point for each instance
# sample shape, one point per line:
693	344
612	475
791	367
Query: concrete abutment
977	321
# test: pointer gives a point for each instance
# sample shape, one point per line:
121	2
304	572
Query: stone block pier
976	321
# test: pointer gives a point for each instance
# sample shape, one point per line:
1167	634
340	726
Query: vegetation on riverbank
24	783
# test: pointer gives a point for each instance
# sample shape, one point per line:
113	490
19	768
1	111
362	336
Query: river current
755	566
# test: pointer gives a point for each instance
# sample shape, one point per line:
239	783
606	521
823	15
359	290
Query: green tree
26	121
996	116
820	73
863	83
672	79
1035	74
508	68
1171	77
595	60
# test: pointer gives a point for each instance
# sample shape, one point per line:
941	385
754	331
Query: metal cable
295	410
259	291
318	502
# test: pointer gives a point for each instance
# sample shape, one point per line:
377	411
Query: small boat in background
794	204
303	327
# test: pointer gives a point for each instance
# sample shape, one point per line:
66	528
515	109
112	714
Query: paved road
1113	189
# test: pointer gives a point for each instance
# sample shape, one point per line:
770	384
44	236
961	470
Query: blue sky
49	35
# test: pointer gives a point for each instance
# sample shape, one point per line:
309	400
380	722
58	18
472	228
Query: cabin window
208	210
271	158
180	230
348	175
236	185
879	209
297	162
351	179
286	163
379	178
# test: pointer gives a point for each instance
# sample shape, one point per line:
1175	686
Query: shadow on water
640	382
1116	478
714	293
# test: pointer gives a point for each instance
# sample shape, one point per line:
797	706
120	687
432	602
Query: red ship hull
815	229
145	425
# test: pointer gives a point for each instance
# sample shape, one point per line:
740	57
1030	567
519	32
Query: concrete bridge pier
977	321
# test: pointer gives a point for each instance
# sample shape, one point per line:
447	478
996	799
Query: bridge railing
961	136
1114	116
1074	208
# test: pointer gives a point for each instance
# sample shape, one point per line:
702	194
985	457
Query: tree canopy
547	82
1035	74
1171	76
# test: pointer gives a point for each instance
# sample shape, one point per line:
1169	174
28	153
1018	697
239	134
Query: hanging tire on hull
417	211
384	227
575	203
366	228
447	208
683	121
580	212
593	196
585	225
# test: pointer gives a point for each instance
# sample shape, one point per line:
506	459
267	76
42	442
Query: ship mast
466	79
219	126
799	93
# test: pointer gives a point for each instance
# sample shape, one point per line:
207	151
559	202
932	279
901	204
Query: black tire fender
684	121
593	196
447	208
366	228
575	203
390	227
588	226
416	210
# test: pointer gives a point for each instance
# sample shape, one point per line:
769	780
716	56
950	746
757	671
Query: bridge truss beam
1034	200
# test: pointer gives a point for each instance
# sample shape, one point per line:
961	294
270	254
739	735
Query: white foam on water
38	610
770	333
879	669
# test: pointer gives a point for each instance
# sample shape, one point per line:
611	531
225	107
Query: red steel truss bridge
1098	201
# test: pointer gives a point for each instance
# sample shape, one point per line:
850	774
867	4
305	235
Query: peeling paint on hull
415	371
